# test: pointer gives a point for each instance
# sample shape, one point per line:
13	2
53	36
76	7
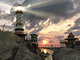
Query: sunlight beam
5	7
4	4
40	3
46	2
40	13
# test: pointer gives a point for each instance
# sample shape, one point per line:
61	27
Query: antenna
3	27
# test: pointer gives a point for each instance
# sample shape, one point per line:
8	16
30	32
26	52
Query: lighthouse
19	30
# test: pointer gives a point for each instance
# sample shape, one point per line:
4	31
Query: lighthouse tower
19	30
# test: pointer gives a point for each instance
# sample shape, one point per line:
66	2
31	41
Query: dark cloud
51	41
60	37
77	33
61	10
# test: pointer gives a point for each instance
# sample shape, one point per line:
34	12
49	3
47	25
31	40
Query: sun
44	42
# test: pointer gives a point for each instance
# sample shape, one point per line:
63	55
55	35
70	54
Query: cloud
7	27
60	37
51	41
69	25
77	33
11	2
63	9
6	19
76	28
55	12
40	16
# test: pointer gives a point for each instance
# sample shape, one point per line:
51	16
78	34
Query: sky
52	20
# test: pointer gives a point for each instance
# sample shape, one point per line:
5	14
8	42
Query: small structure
69	41
34	40
34	37
3	27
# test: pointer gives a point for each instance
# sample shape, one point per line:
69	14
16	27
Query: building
19	30
69	41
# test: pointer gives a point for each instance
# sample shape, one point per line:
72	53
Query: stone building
71	41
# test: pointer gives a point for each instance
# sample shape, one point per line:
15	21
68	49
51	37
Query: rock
11	50
66	54
30	47
7	43
24	54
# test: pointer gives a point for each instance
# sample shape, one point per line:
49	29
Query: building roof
71	37
70	34
19	5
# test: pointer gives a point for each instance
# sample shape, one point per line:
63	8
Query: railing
49	46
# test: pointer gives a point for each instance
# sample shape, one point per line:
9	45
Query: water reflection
44	51
49	57
47	50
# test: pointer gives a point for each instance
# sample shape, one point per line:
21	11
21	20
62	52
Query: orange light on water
45	51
